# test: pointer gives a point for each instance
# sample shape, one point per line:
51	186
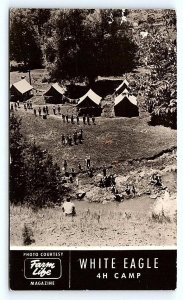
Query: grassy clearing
112	224
110	141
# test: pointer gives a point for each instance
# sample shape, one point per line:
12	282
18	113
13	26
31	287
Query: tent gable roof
121	97
92	96
22	86
125	82
55	87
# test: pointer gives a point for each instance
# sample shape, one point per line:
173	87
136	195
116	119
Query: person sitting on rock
68	208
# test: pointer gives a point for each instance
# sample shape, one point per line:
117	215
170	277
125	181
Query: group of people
15	106
73	139
42	112
107	181
27	104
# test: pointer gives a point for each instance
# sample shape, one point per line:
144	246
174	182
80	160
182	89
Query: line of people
74	139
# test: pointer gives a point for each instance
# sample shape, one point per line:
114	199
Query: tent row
125	105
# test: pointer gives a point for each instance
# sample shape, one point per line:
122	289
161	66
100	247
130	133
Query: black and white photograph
92	128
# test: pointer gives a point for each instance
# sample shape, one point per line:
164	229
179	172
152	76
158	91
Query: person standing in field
133	191
18	103
11	107
88	162
65	165
93	119
77	119
35	112
67	118
63	118
59	109
81	134
44	110
72	119
30	104
70	140
68	208
104	171
39	111
77	181
88	119
63	139
54	110
84	119
16	106
75	137
47	110
79	167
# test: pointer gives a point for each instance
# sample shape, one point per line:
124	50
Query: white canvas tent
126	106
21	90
55	94
90	104
92	96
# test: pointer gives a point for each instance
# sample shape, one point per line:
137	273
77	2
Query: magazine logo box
42	268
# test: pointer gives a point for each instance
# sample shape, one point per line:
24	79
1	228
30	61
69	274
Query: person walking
67	118
35	112
25	106
30	104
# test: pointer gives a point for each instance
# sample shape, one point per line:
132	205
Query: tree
88	45
34	178
24	40
17	164
157	53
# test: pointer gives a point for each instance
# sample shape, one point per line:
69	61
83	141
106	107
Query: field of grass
108	142
112	224
112	141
